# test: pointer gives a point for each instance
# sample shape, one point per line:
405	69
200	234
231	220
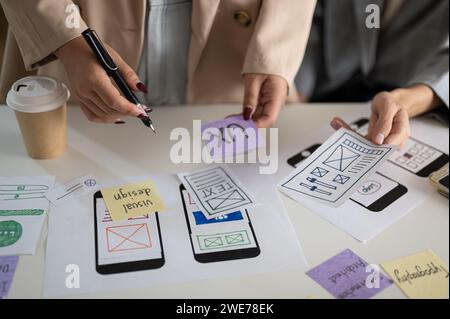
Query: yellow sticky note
132	200
420	276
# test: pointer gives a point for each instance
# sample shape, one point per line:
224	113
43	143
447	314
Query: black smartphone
378	193
126	246
228	237
419	158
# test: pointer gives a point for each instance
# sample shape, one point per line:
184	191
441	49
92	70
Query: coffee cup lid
36	94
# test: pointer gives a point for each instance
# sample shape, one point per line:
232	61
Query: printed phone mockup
126	246
227	237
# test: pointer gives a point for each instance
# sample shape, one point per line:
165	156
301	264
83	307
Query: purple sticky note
8	265
345	277
231	136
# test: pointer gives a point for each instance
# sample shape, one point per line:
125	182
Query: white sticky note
75	188
217	191
337	169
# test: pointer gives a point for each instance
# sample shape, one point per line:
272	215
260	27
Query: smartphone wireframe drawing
126	246
228	237
378	193
419	158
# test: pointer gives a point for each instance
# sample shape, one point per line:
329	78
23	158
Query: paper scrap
420	276
8	265
231	136
75	188
346	276
217	191
337	169
22	212
132	200
24	192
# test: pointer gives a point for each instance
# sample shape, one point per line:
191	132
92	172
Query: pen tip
153	128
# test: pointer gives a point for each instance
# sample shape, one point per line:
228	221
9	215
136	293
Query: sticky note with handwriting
217	191
336	170
232	136
8	265
132	200
420	276
347	276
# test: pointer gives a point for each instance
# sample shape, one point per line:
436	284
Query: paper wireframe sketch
22	212
217	191
77	187
337	169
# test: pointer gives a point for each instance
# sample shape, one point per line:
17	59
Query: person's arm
426	91
39	27
42	33
274	56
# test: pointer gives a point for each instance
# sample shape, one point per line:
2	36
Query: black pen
112	70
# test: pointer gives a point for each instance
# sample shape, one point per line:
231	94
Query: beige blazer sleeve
39	27
280	38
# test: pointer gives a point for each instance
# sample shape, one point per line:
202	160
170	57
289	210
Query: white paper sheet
71	241
336	170
80	186
353	216
217	191
23	209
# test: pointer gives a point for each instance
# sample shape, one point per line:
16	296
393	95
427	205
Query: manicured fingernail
142	87
336	124
248	112
119	122
379	138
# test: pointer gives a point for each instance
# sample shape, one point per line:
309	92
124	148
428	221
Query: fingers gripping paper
217	191
336	170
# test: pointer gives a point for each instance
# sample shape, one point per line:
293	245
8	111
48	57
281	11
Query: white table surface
113	151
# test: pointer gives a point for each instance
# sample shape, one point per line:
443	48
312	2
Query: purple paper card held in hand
345	277
8	265
232	136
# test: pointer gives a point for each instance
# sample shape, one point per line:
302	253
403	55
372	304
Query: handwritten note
8	265
75	188
132	200
347	276
420	276
232	136
217	191
22	212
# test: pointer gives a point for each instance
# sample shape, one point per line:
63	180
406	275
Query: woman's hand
389	121
99	99
265	95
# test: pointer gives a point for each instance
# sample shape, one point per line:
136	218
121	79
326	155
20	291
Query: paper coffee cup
40	106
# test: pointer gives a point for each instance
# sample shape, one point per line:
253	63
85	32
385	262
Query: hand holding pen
99	99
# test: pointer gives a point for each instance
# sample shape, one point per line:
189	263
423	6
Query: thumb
253	84
126	71
382	128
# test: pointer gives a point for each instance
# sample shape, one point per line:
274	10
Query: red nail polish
247	113
141	87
